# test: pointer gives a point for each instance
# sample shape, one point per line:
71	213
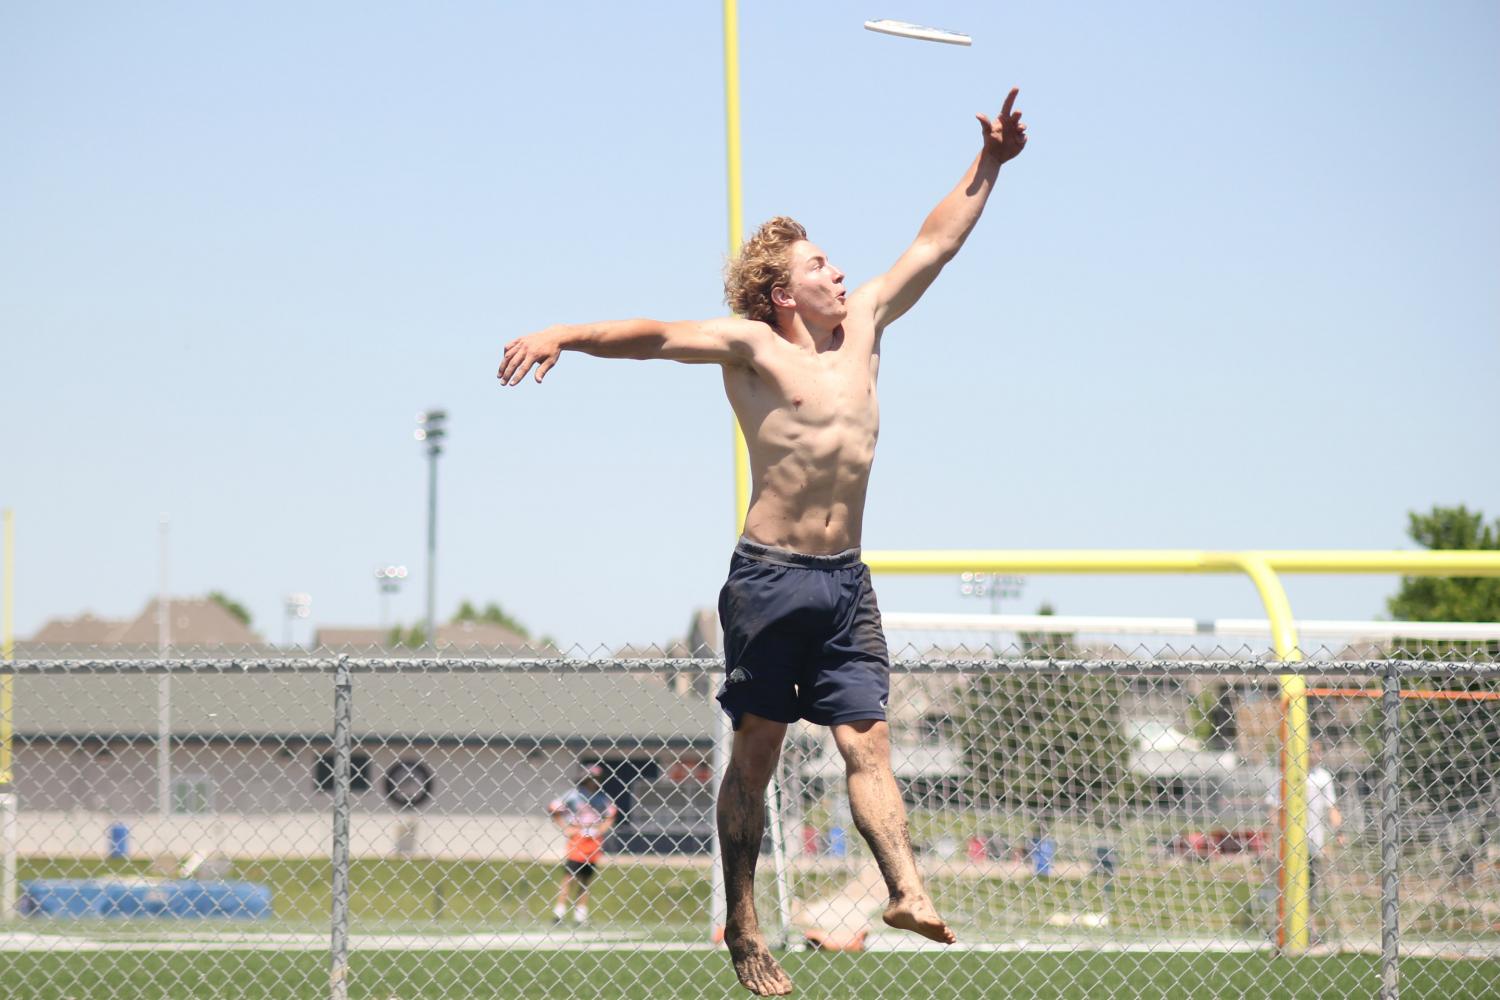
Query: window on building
360	771
192	795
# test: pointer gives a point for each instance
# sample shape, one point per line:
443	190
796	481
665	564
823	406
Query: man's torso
585	813
811	419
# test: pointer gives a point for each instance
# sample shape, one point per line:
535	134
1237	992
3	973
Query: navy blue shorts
802	638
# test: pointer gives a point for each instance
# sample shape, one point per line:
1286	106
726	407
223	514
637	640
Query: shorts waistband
786	557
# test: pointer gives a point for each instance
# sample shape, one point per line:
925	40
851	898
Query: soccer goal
1106	780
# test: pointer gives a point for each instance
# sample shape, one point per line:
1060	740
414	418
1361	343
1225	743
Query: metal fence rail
1087	818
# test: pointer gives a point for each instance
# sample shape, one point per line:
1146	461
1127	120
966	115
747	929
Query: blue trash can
119	842
838	842
1043	850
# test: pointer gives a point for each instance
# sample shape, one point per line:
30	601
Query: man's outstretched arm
729	340
949	224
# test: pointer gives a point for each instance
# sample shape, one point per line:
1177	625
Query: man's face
816	286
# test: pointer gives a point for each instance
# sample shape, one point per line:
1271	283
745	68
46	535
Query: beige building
447	762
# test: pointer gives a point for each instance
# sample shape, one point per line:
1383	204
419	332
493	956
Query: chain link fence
1088	818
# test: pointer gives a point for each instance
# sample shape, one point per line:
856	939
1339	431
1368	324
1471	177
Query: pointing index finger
1010	99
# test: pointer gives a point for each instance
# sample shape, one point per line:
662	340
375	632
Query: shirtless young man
802	634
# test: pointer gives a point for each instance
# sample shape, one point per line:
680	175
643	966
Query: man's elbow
939	249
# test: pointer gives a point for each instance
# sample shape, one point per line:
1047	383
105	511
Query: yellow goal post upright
7	646
8	803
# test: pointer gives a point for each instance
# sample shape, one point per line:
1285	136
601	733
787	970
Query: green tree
1046	741
416	636
1450	749
1449	598
229	604
493	614
412	638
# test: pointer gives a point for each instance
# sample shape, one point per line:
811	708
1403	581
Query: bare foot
758	971
919	915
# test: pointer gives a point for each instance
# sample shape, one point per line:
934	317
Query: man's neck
795	330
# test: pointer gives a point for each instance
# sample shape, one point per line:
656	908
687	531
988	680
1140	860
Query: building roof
85	630
460	636
442	705
195	621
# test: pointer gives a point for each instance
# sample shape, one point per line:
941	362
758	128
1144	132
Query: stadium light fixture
298	606
388	580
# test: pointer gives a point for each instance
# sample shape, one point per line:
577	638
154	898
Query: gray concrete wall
248	778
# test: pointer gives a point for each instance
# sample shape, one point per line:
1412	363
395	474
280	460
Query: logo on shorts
737	675
882	704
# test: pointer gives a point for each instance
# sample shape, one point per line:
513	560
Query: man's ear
781	297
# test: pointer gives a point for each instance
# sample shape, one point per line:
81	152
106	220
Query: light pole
431	429
164	682
388	580
297	606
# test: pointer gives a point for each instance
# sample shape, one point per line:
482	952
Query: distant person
585	816
1323	818
802	632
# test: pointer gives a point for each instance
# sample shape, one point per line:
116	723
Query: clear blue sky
1241	291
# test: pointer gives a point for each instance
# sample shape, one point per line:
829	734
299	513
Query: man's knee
756	748
865	745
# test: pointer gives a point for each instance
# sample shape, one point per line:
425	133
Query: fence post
718	910
9	833
343	714
778	853
1390	833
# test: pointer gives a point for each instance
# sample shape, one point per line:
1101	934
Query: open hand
541	349
1005	136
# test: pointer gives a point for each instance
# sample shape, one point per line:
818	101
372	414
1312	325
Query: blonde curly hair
764	263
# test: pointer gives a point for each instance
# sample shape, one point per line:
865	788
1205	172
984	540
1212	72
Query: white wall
289	835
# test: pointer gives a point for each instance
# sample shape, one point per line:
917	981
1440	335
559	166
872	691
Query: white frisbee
920	32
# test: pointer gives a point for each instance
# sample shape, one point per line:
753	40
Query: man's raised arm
729	340
949	224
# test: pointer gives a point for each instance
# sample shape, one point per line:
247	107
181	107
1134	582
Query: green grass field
382	976
671	903
644	906
448	896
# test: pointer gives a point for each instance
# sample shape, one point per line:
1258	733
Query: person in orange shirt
585	815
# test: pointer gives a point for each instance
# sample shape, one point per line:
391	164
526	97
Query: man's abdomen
812	506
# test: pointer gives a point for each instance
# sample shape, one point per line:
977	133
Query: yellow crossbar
1413	563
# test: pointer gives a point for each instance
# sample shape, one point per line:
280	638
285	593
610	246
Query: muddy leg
742	818
880	817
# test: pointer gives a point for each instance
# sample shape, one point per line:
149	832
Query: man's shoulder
746	340
739	328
